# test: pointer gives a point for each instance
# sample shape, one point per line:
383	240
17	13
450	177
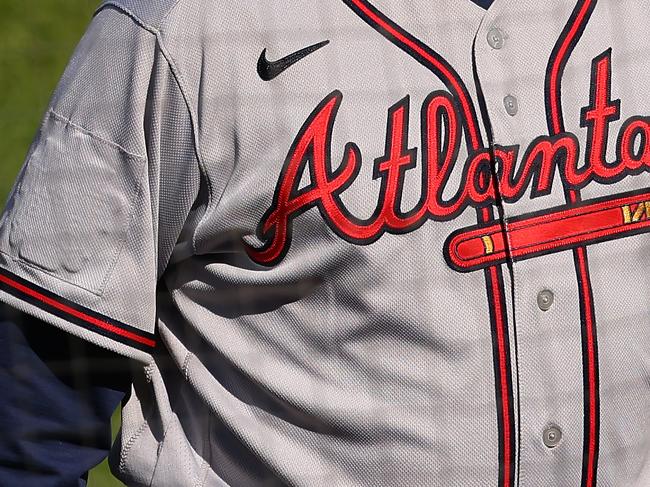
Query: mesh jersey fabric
331	277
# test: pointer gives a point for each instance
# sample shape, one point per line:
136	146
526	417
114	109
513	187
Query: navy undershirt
483	3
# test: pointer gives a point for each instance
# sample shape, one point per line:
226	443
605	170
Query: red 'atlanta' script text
442	127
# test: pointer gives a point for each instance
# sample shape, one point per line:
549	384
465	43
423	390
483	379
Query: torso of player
384	214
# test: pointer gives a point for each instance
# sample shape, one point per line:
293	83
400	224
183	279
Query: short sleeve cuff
53	301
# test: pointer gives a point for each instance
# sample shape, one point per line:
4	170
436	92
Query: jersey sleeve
104	191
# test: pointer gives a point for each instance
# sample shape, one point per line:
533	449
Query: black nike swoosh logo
271	69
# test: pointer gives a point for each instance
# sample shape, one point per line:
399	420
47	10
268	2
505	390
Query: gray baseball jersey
354	242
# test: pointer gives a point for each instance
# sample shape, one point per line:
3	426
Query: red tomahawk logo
552	230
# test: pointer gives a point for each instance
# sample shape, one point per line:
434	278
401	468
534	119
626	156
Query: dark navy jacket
57	395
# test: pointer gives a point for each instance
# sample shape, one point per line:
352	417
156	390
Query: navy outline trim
554	94
71	318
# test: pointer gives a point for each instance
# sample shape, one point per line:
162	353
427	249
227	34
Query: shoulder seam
154	28
168	13
130	13
180	81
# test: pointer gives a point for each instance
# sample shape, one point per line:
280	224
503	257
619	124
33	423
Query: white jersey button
511	104
552	436
545	300
495	38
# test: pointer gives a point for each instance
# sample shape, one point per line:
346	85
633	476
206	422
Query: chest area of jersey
385	125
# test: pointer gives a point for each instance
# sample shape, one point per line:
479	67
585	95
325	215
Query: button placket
502	100
496	39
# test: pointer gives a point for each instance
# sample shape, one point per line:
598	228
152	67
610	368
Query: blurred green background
37	38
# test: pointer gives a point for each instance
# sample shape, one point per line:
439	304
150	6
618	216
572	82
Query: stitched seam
180	80
129	222
128	12
161	444
167	14
36	267
85	131
186	363
122	149
127	447
155	466
134	195
202	473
